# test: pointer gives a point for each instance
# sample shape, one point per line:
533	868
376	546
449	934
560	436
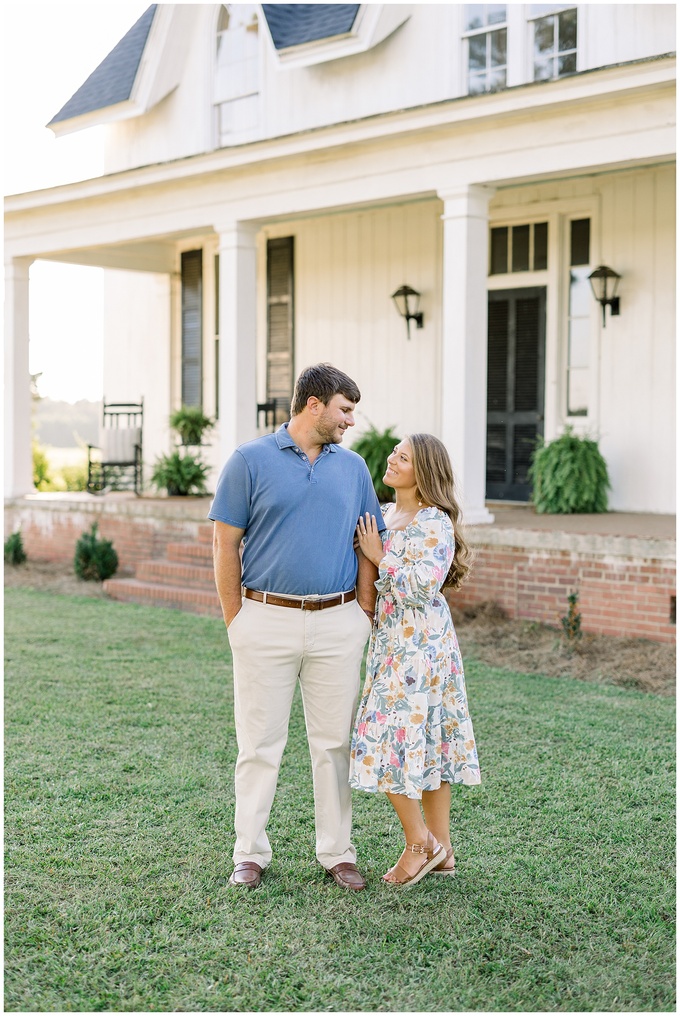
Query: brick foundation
625	584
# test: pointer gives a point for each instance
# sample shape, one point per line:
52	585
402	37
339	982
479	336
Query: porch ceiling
156	254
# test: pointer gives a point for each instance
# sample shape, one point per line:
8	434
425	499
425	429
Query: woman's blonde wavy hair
435	485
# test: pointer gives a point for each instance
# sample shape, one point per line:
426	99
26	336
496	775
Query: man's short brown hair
323	381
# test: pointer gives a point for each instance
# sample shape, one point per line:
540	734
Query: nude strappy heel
441	869
433	856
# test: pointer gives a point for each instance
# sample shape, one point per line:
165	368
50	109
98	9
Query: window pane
577	395
499	47
499	250
474	16
495	14
566	65
477	58
543	70
496	80
580	242
579	343
580	293
520	248
477	84
544	36
567	30
540	246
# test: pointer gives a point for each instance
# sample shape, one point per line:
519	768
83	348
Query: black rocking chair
117	464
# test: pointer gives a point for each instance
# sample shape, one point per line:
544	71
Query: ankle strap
417	848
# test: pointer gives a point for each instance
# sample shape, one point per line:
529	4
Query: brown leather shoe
246	873
347	876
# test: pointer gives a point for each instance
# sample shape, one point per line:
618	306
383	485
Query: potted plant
569	475
180	474
191	423
374	446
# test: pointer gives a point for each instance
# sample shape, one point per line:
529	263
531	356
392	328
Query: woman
413	735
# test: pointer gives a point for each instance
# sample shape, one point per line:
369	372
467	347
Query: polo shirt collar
284	440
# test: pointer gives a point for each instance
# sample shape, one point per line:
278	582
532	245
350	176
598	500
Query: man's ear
314	405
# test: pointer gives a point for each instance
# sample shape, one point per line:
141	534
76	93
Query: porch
622	564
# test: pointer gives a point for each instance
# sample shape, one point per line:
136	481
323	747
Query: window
580	305
555	43
519	248
486	36
237	72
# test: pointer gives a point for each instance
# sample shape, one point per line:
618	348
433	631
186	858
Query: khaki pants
273	648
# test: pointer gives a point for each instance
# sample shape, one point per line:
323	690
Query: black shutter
280	338
192	328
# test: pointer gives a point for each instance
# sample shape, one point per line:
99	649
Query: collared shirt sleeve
371	503
231	503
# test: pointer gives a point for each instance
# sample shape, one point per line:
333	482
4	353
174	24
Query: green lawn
118	798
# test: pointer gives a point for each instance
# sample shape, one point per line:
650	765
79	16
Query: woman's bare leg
415	830
437	811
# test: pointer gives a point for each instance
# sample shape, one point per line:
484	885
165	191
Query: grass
119	762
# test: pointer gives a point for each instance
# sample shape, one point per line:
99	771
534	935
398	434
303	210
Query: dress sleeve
413	569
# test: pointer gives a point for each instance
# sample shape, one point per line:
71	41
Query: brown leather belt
303	604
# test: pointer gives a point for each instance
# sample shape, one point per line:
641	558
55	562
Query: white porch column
464	342
18	456
238	361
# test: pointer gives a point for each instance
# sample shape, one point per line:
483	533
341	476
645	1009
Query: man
297	606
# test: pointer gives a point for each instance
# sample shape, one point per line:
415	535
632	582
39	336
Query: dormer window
555	42
236	89
486	35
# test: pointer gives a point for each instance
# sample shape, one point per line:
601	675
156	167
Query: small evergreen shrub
94	558
569	475
14	549
374	446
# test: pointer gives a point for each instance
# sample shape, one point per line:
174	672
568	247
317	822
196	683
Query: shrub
571	622
41	468
94	558
180	474
374	446
74	477
14	549
569	475
190	423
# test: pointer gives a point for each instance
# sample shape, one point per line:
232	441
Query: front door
515	390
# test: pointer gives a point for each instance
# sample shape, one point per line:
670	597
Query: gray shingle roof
113	79
294	24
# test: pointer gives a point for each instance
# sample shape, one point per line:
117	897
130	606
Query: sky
48	50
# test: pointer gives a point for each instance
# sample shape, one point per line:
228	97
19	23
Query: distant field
60	457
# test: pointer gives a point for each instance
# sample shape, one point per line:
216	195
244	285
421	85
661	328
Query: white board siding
346	268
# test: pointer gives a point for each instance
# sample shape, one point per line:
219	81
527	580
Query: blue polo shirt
299	519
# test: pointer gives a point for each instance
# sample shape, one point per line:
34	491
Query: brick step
205	533
176	573
194	601
190	553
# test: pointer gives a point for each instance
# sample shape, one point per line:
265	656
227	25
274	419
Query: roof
113	80
295	24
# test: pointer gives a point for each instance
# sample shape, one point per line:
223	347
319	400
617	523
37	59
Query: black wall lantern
604	283
407	301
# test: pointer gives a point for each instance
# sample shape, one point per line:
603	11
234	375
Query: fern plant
94	558
569	475
190	422
180	474
374	446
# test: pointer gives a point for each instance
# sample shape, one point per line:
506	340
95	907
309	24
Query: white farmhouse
276	172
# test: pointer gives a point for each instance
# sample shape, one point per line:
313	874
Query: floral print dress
413	730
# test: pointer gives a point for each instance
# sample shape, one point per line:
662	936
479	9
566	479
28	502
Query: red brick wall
617	596
50	534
